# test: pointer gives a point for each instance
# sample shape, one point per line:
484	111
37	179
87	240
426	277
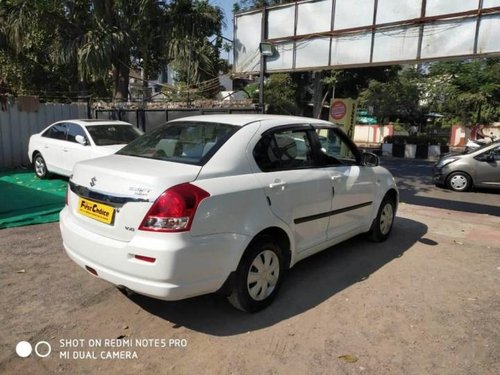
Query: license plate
96	211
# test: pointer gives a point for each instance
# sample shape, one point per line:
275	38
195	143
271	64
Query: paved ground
425	301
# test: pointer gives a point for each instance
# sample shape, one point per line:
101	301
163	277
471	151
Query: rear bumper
184	266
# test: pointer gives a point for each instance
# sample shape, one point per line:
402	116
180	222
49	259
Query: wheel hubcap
386	218
39	166
458	182
263	275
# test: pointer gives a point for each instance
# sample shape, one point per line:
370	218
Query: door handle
278	185
333	178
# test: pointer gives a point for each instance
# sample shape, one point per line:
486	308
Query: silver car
478	168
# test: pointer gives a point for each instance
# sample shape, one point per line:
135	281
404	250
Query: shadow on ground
308	284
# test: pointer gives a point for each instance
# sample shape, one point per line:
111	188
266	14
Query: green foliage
71	45
256	4
465	92
351	82
279	94
396	99
193	22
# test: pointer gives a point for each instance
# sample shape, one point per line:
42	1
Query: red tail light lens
145	258
174	210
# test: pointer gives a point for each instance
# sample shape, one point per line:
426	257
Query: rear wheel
40	166
459	181
258	276
382	225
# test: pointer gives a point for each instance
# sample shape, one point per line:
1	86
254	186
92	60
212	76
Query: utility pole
263	35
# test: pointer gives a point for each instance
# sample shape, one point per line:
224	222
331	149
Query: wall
460	134
368	134
17	126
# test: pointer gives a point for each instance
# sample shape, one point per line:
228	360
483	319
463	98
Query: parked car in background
478	167
223	203
59	146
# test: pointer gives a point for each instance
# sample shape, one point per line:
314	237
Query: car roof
97	122
245	119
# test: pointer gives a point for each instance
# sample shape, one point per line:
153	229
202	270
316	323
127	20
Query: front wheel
40	166
258	276
382	225
459	181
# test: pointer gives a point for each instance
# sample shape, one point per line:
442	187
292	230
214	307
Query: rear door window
284	149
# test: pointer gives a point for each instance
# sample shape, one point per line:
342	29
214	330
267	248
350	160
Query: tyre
258	276
40	166
382	225
459	181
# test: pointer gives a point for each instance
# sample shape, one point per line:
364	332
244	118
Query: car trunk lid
113	194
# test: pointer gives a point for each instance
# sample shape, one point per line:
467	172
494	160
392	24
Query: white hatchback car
223	203
59	146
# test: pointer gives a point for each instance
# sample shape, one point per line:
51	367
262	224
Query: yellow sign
343	113
96	211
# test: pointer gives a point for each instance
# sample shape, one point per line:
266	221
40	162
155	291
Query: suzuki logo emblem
92	181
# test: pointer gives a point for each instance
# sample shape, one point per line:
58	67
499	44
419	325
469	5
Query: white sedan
59	146
223	203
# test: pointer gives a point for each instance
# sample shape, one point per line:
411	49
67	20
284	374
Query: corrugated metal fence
17	126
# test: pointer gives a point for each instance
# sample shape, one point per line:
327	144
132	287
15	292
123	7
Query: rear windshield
113	134
185	142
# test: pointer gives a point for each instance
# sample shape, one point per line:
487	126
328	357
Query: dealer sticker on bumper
96	211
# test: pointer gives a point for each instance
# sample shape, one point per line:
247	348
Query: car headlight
444	162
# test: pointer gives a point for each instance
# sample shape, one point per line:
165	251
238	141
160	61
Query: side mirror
81	139
369	159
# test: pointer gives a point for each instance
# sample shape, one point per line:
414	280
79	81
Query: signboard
338	110
323	34
343	113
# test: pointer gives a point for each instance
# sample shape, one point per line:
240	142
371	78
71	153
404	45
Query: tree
279	94
256	4
397	99
464	91
194	57
27	48
95	40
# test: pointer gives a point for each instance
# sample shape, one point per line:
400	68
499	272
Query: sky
227	32
227	7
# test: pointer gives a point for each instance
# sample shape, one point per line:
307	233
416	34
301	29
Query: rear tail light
145	258
174	210
66	197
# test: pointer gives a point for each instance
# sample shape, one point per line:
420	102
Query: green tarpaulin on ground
26	200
